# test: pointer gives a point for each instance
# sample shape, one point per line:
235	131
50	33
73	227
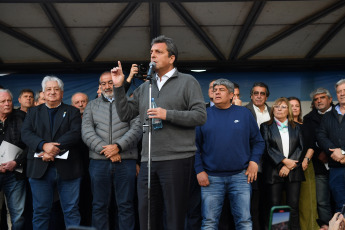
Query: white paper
63	156
9	152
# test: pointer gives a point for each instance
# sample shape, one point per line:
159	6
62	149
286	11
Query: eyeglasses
280	106
256	93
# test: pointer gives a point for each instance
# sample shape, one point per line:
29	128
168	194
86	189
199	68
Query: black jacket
331	134
11	134
311	123
273	155
66	131
251	108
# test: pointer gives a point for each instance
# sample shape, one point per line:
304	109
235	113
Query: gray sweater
181	96
102	126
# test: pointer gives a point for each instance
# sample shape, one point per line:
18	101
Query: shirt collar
329	109
337	108
168	74
52	107
258	109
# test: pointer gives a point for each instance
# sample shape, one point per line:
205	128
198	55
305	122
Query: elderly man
331	138
113	155
52	131
80	100
26	99
11	177
39	98
217	171
322	101
181	108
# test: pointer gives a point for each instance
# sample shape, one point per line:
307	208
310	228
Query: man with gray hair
226	162
12	177
113	153
52	131
39	98
322	103
331	138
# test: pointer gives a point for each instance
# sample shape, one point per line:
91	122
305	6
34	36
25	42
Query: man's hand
46	157
203	179
337	222
116	158
110	150
9	166
51	148
252	171
117	75
290	164
2	169
237	101
336	155
323	157
137	169
284	171
134	70
157	113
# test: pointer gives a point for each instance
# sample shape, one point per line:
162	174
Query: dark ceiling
83	36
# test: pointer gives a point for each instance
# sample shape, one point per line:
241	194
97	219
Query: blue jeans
337	186
323	197
43	196
104	174
239	193
15	193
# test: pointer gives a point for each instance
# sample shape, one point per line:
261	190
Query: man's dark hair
236	86
1	87
26	91
260	84
171	47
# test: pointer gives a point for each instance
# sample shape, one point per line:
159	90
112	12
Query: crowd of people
216	165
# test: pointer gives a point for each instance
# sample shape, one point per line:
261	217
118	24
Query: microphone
151	69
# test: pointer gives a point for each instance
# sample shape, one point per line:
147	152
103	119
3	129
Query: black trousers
170	182
292	199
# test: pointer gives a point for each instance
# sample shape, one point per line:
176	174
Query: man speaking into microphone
181	108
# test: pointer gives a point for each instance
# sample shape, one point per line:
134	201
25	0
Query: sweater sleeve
198	165
127	109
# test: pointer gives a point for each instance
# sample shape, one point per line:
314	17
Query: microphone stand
149	77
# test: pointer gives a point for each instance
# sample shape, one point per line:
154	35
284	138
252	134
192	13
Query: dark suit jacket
273	155
66	131
251	108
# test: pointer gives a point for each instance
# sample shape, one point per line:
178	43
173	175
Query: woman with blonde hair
282	158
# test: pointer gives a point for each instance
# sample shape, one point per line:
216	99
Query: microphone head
153	65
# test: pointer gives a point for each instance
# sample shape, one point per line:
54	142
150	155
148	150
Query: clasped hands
50	150
289	165
111	152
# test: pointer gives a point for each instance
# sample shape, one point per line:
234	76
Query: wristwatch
307	158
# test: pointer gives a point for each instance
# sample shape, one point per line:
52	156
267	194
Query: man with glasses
261	112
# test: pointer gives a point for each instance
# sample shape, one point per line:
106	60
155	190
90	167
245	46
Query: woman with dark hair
282	158
307	200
